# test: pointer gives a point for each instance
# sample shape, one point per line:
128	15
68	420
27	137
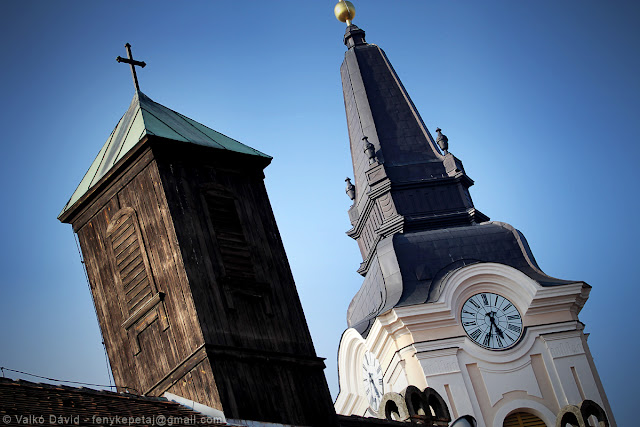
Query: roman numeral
515	328
499	341
484	299
474	303
475	334
380	381
487	337
472	323
507	307
513	317
468	312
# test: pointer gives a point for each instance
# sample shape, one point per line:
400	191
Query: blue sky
539	99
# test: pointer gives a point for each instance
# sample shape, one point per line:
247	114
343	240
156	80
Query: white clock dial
372	380
491	321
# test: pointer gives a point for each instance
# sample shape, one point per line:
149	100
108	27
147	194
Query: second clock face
372	380
491	321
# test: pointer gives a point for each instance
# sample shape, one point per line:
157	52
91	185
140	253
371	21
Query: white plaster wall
425	345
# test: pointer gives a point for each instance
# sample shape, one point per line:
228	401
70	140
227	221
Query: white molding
350	353
216	414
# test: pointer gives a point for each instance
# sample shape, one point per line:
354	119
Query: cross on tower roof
132	63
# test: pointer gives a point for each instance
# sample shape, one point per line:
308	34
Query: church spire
403	182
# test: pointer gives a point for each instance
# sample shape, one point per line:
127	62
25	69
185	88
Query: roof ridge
160	120
184	117
189	120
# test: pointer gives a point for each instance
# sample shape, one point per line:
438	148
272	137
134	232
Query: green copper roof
146	117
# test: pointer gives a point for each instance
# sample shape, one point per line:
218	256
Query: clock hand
376	390
493	323
373	383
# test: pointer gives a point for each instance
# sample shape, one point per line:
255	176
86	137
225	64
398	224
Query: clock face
372	380
491	321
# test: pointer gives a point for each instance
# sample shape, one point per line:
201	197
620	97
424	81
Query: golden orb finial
345	11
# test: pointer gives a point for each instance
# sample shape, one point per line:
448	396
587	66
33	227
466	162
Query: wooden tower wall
253	324
192	286
145	345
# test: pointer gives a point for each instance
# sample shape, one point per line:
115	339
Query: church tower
454	317
190	280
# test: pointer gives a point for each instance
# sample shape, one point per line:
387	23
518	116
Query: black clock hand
373	383
493	323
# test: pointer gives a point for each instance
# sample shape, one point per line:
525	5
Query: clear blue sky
539	99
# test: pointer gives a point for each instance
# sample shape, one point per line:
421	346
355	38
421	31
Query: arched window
523	419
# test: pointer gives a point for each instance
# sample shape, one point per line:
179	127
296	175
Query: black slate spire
412	216
408	184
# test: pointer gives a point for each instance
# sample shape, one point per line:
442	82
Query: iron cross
132	64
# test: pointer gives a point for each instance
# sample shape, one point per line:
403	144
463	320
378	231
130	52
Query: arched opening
570	416
593	414
523	419
437	405
418	404
391	411
592	421
393	407
569	420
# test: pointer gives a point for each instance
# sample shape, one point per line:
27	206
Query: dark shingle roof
20	399
24	403
425	258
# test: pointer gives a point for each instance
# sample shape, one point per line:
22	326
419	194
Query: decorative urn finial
442	141
351	189
345	11
369	150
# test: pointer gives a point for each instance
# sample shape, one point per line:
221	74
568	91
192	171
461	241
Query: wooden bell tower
188	273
